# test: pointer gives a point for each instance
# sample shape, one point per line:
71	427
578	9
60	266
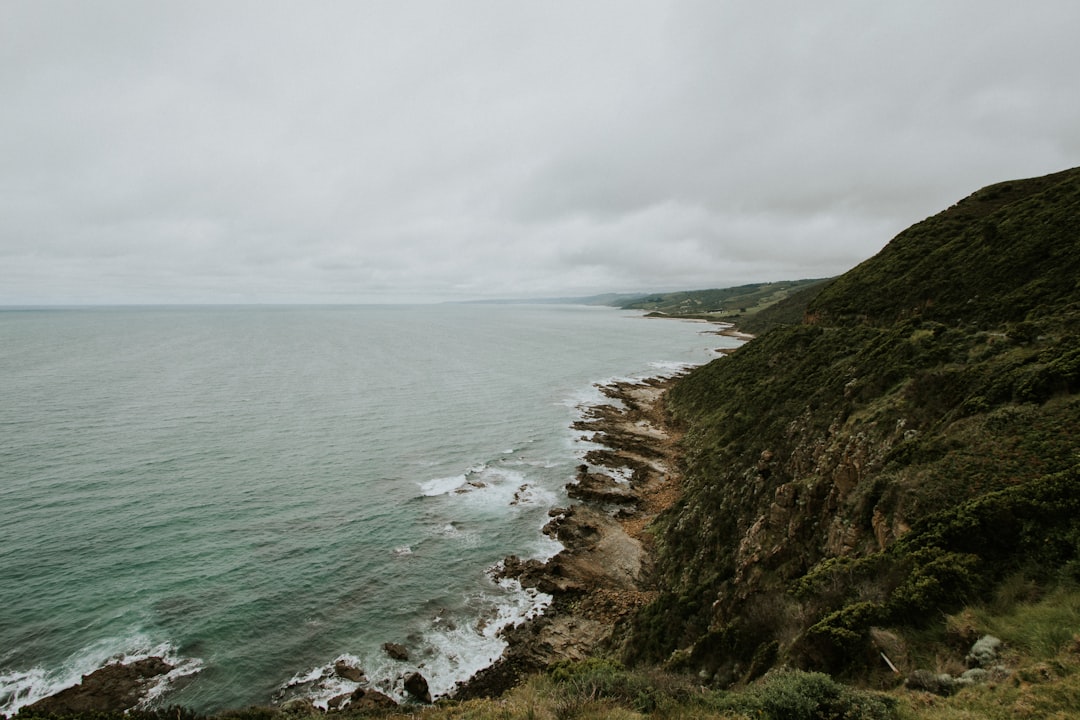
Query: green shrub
797	695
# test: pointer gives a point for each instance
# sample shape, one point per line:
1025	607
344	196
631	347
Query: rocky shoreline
603	574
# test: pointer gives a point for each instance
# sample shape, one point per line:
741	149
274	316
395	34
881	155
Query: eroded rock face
115	687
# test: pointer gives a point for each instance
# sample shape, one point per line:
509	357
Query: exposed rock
396	651
347	671
600	487
600	578
417	686
368	699
115	687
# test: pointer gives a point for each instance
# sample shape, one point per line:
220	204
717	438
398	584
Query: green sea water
256	492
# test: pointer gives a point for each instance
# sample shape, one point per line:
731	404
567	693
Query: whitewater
258	493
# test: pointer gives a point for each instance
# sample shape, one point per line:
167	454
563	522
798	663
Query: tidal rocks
600	487
368	699
396	651
344	670
115	687
417	687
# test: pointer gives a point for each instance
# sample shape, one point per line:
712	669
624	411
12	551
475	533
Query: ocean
256	492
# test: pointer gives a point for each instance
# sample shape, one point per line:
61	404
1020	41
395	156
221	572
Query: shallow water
258	491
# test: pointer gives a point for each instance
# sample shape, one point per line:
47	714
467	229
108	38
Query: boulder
417	686
367	699
344	670
396	651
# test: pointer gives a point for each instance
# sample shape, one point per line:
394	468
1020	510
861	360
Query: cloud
337	152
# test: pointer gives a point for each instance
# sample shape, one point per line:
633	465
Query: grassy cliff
907	447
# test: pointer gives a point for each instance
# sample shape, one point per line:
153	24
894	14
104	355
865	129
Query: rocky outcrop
416	685
396	651
603	574
116	687
365	699
345	670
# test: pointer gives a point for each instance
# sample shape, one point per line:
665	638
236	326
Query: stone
417	686
344	670
368	699
114	688
396	651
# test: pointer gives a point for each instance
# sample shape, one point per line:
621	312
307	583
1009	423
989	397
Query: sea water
254	493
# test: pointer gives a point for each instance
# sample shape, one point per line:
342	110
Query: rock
396	651
335	702
347	671
984	652
417	686
115	688
367	699
600	487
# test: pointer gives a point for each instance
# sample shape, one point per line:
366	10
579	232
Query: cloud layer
402	151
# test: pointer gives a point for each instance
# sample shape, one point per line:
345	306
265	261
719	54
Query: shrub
797	695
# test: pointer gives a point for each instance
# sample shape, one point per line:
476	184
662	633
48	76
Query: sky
421	151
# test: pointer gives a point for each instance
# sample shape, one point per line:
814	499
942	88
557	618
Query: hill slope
905	448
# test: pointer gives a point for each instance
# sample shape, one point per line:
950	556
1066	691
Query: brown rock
367	699
347	671
417	686
396	651
115	687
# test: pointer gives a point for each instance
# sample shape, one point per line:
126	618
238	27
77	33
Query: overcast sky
164	152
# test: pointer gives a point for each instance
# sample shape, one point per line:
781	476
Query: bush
797	695
597	679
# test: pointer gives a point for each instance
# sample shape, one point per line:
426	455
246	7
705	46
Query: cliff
908	446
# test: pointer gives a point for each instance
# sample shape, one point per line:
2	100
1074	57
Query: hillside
909	446
735	304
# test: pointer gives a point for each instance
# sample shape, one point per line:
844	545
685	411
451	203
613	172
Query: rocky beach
603	574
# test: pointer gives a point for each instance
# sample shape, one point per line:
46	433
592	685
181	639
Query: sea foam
19	688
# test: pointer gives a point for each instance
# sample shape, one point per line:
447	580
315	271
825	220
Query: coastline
604	573
600	578
598	581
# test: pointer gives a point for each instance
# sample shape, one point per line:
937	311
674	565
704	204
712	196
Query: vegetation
738	304
898	452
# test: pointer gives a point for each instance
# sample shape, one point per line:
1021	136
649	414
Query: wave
19	688
447	652
485	485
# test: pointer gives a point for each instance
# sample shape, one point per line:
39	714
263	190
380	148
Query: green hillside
908	447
